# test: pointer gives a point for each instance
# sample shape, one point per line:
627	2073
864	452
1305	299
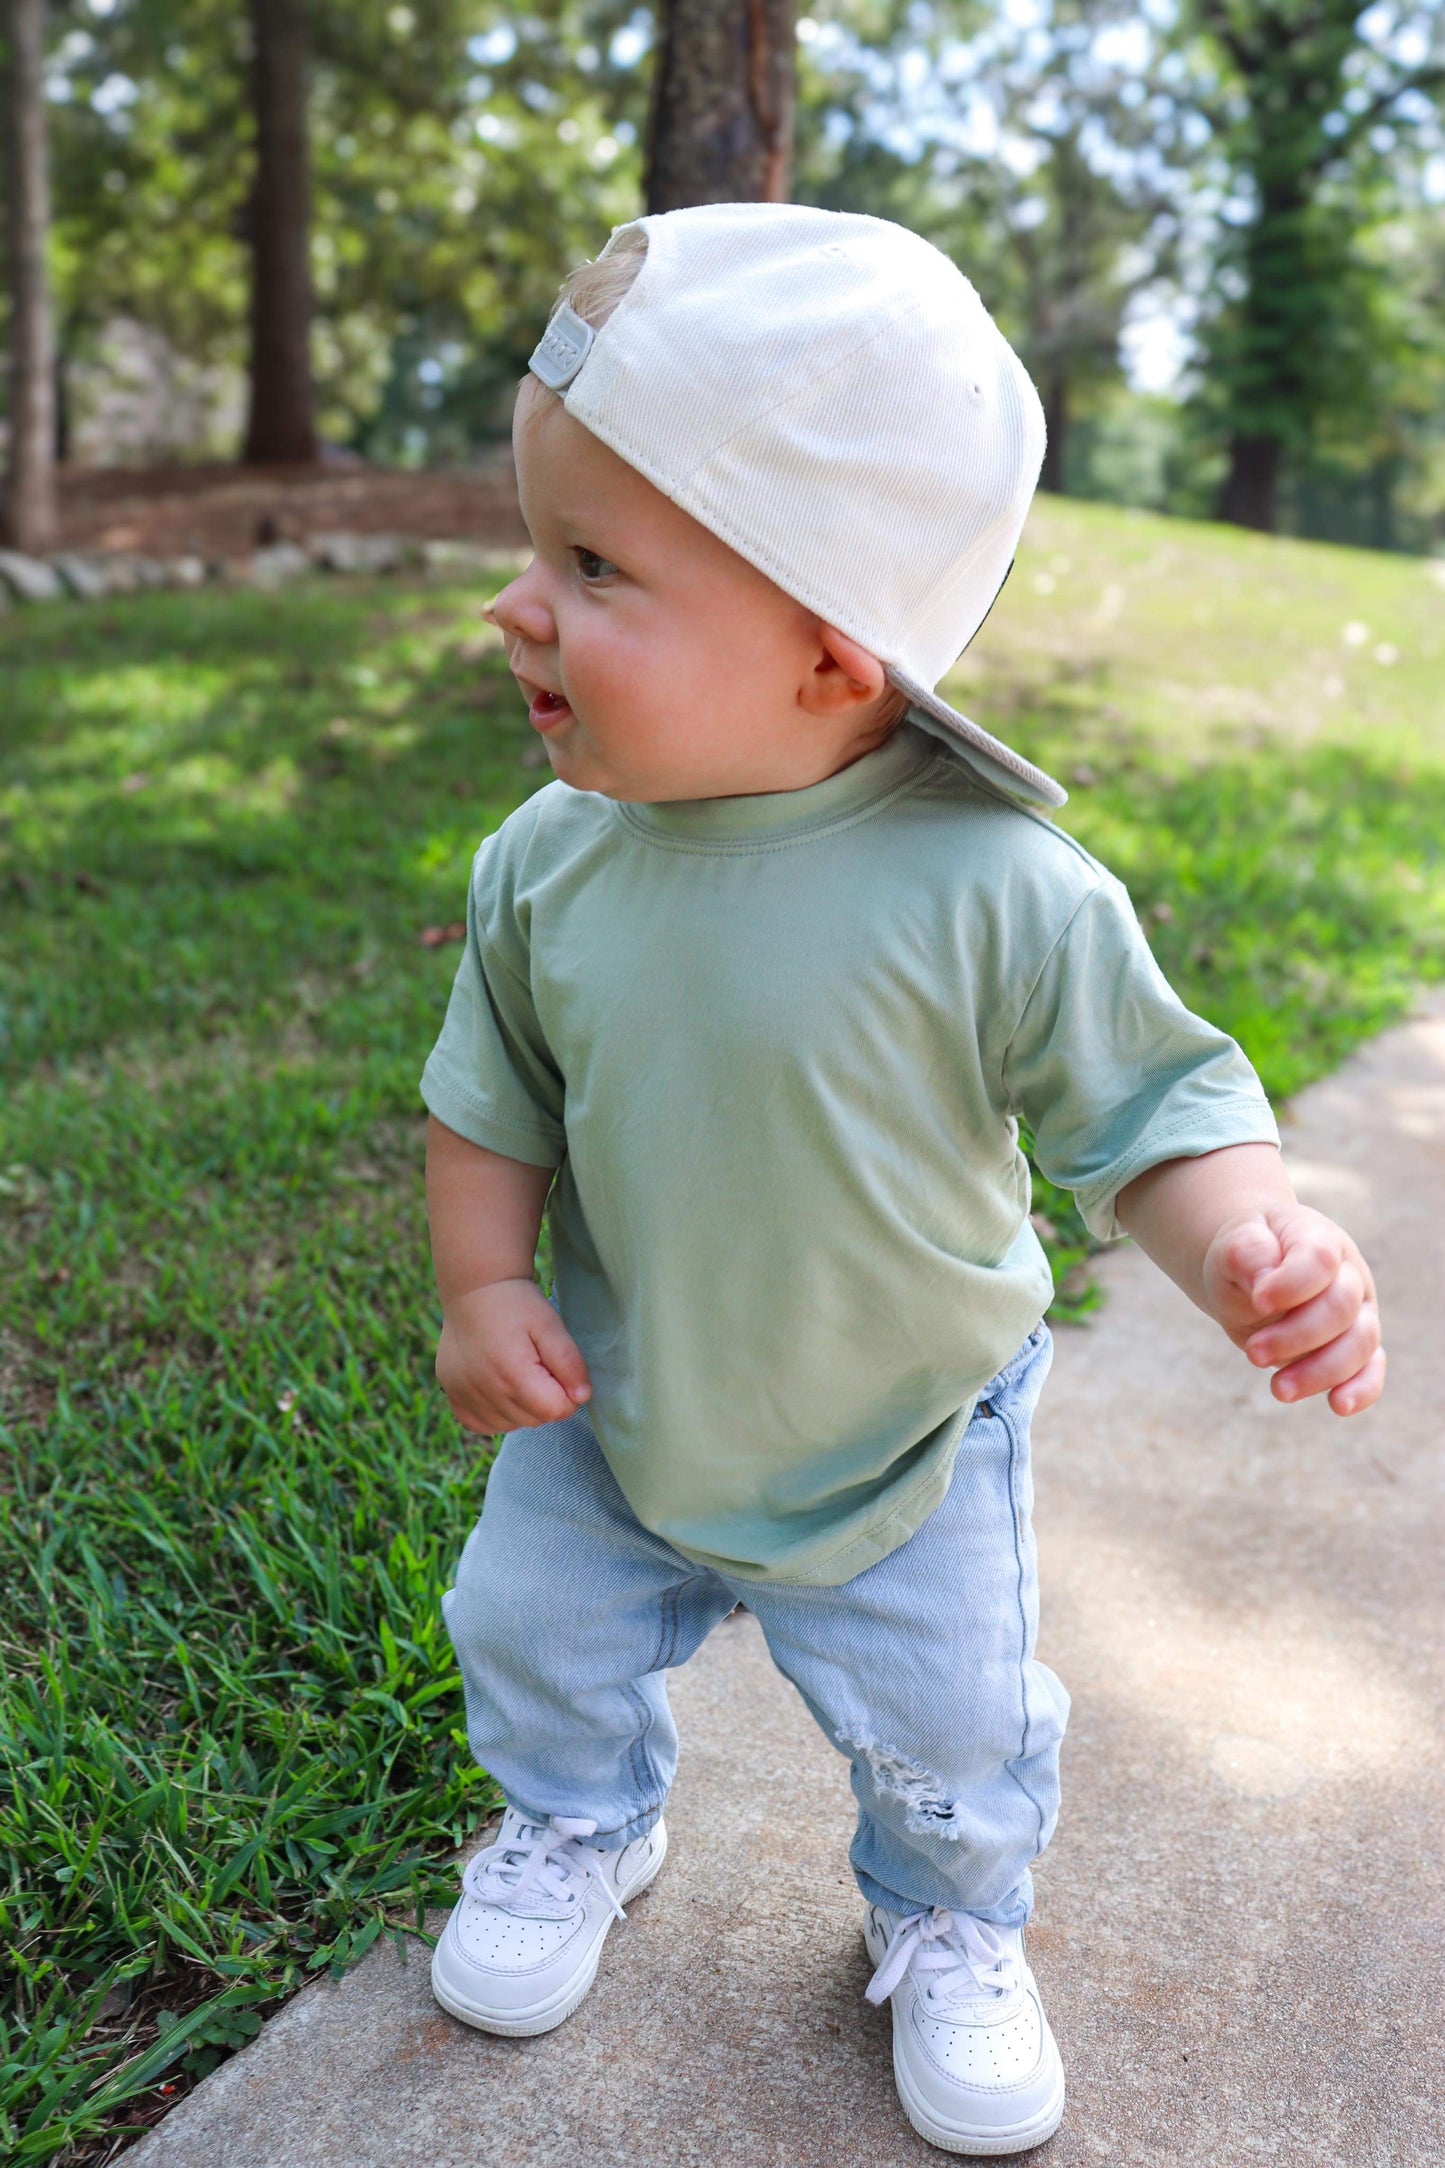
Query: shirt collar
791	812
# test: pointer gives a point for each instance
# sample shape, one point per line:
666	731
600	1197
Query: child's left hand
1291	1288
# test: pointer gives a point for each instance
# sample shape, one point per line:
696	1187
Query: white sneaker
976	2064
521	1947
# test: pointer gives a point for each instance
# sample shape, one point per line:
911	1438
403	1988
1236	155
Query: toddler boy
757	992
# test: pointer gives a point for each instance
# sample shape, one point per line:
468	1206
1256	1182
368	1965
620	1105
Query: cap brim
996	762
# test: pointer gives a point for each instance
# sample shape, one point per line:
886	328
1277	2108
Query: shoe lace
543	1859
960	1956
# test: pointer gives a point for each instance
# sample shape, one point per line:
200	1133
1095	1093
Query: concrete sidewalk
1240	1922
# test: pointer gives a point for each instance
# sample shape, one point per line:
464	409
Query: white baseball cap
827	394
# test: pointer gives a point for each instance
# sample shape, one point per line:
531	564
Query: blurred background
302	229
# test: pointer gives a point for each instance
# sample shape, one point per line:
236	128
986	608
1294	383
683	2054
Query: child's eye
594	568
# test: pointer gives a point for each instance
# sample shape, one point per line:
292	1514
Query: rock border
95	576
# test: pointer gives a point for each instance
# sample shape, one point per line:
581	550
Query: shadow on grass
236	814
234	1498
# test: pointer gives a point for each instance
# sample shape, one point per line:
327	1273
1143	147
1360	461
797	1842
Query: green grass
231	1496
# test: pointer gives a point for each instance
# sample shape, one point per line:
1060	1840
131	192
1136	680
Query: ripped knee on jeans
928	1812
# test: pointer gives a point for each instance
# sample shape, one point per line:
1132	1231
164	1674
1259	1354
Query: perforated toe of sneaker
522	1945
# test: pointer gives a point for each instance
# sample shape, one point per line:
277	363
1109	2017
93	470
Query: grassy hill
231	1497
1254	735
1202	638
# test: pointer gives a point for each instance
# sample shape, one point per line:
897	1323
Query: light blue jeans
567	1615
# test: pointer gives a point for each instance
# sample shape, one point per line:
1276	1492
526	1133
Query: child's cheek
615	677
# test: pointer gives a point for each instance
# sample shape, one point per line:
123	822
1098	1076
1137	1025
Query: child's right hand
506	1361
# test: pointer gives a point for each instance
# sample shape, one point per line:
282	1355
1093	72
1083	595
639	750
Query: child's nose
523	610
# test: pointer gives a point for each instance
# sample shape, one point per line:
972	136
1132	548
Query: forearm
485	1213
1174	1211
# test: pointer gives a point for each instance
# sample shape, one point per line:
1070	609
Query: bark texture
282	425
31	515
721	128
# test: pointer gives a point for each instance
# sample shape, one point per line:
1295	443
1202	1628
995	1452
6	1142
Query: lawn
232	1496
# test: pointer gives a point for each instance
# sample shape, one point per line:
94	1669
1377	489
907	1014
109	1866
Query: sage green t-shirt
778	1048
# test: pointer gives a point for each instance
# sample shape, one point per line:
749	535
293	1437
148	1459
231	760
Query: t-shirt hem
867	1546
472	1118
1249	1121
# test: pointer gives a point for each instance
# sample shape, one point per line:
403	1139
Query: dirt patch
224	511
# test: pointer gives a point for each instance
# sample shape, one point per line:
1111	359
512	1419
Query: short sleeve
1113	1074
491	1075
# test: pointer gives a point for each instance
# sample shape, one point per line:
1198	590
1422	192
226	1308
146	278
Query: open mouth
547	710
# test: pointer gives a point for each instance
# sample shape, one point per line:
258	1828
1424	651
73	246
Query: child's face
657	663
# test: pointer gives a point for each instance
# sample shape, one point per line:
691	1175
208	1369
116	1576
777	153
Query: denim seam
644	1772
644	1775
1006	1418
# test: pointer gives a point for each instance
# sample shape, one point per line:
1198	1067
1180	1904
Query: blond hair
594	289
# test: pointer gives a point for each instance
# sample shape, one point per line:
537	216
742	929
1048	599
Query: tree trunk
63	406
1056	422
32	518
721	126
282	421
1250	497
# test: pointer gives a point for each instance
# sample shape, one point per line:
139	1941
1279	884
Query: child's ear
842	675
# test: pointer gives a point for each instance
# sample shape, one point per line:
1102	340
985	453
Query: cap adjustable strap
562	349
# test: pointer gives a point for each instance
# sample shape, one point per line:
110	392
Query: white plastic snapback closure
562	349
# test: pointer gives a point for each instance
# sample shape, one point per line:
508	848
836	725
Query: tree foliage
1312	101
463	159
1253	168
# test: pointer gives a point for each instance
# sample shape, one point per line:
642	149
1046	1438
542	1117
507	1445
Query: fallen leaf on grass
438	936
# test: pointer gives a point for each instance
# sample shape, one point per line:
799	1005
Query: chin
572	766
582	767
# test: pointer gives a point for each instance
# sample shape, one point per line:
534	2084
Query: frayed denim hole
927	1811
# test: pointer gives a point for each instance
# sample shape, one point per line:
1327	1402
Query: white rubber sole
543	2017
972	2138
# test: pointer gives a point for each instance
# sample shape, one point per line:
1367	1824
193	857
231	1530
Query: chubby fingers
1363	1389
1334	1365
537	1376
560	1356
1311	1324
1312	1250
1329	1344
